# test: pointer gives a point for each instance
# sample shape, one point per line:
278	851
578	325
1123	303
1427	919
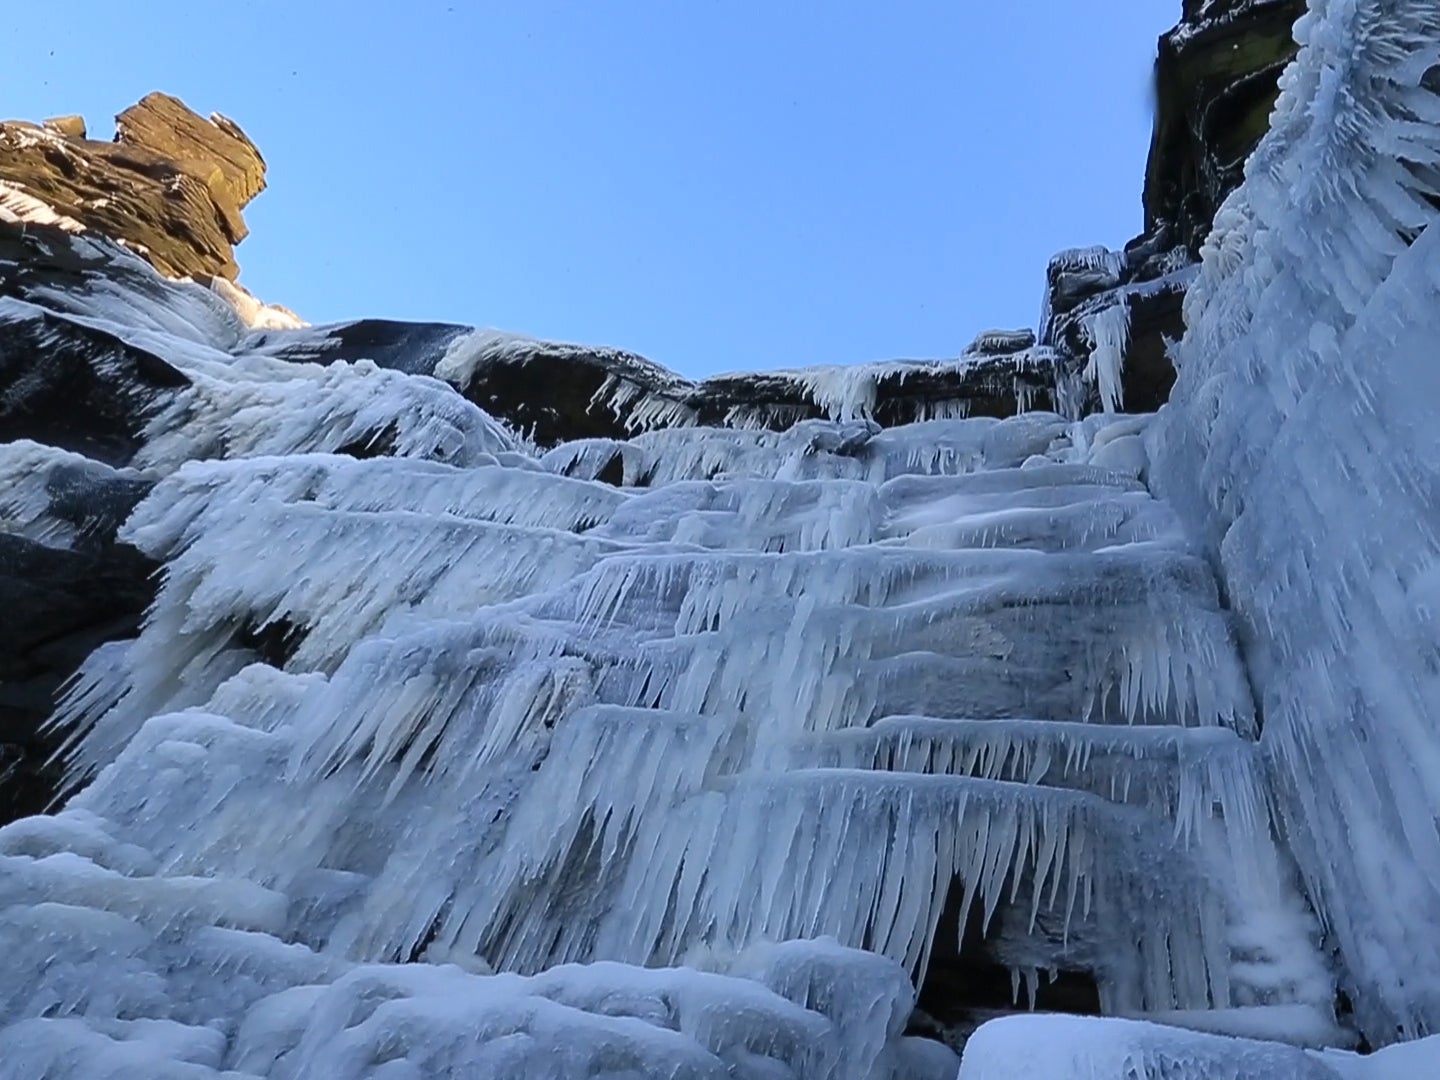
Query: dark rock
1215	86
557	392
414	348
172	185
77	388
1154	318
94	500
63	599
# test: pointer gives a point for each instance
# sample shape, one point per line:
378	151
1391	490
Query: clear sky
717	185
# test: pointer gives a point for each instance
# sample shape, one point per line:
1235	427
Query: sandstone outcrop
171	186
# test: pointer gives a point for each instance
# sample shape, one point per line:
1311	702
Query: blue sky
719	186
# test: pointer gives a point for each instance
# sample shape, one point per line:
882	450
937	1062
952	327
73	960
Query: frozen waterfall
424	766
1300	445
708	751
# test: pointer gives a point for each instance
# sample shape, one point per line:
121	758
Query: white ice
457	760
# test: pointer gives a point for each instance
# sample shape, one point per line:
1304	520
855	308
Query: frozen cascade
1300	442
695	753
514	769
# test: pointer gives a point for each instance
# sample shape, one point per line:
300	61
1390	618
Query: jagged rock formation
171	186
1215	86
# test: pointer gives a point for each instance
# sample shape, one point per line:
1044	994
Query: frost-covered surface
254	313
615	743
1300	442
18	205
1076	1048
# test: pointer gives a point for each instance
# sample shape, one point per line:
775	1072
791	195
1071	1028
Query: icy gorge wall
457	704
1300	444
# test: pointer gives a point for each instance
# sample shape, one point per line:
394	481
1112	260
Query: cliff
458	650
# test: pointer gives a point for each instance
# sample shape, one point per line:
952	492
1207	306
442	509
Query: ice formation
676	774
1300	444
671	778
674	755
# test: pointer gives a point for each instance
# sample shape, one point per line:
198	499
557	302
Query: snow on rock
1404	1061
1001	342
20	207
254	313
601	392
1076	1048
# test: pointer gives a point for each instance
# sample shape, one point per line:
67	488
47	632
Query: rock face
1111	315
68	587
561	392
171	186
1215	85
